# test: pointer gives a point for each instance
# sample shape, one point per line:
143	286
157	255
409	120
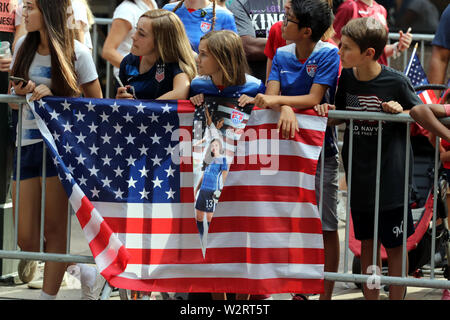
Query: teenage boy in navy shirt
366	85
303	75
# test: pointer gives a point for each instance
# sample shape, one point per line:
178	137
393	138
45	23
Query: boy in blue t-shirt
305	72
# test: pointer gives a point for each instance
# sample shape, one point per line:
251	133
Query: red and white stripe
428	97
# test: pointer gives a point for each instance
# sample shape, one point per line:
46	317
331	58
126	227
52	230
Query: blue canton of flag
122	166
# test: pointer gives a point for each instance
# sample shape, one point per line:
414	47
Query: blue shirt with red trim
212	173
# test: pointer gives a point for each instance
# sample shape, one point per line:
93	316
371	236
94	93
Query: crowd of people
314	56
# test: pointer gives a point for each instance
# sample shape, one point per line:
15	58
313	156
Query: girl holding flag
222	68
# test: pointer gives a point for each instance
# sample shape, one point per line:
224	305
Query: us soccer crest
205	26
311	69
237	117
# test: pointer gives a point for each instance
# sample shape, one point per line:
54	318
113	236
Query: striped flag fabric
127	168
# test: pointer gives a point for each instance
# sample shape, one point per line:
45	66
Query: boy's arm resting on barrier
427	116
313	98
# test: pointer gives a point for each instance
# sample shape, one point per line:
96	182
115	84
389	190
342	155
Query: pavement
11	288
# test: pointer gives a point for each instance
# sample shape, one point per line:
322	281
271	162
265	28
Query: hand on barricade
198	99
392	107
322	109
288	122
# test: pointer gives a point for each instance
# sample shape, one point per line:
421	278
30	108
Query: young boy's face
350	53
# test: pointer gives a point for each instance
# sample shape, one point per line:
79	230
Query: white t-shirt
40	73
80	14
131	12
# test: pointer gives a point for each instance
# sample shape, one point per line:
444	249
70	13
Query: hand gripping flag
126	166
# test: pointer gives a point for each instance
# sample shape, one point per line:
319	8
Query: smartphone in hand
17	80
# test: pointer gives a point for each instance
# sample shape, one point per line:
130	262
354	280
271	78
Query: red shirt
352	9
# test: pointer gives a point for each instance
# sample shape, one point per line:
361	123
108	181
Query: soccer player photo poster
218	125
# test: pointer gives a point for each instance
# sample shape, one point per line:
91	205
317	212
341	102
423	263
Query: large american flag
414	71
119	161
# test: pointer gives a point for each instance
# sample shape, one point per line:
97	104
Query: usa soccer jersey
296	78
212	173
199	22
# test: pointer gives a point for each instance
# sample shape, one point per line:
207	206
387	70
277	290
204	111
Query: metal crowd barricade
432	282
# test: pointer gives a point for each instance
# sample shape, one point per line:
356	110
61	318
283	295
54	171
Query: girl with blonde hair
161	64
223	70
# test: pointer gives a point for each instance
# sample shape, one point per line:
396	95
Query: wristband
12	90
447	109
